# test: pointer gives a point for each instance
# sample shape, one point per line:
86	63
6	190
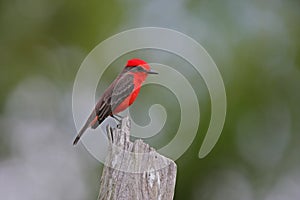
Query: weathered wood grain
134	170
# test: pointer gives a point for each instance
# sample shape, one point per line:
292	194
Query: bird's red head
138	62
138	66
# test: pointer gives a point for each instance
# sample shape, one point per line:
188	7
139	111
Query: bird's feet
118	118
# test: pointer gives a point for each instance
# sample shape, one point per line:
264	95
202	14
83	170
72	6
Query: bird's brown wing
115	94
122	89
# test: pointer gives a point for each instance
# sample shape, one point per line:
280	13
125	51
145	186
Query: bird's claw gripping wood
118	118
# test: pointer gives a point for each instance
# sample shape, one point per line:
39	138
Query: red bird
121	93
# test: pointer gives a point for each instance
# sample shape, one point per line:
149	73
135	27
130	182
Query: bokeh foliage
255	45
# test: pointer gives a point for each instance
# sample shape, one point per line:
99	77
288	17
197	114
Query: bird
119	95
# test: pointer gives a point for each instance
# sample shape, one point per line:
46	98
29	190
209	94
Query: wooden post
134	170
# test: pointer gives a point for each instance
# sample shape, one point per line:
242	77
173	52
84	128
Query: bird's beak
152	72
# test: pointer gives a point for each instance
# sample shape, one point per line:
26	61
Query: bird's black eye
139	69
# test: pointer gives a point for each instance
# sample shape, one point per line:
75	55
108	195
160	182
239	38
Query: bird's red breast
127	102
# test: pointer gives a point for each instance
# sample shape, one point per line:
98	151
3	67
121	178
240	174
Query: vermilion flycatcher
121	93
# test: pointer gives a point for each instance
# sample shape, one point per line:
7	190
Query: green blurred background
255	44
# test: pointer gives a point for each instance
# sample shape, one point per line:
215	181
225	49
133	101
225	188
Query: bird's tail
93	118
